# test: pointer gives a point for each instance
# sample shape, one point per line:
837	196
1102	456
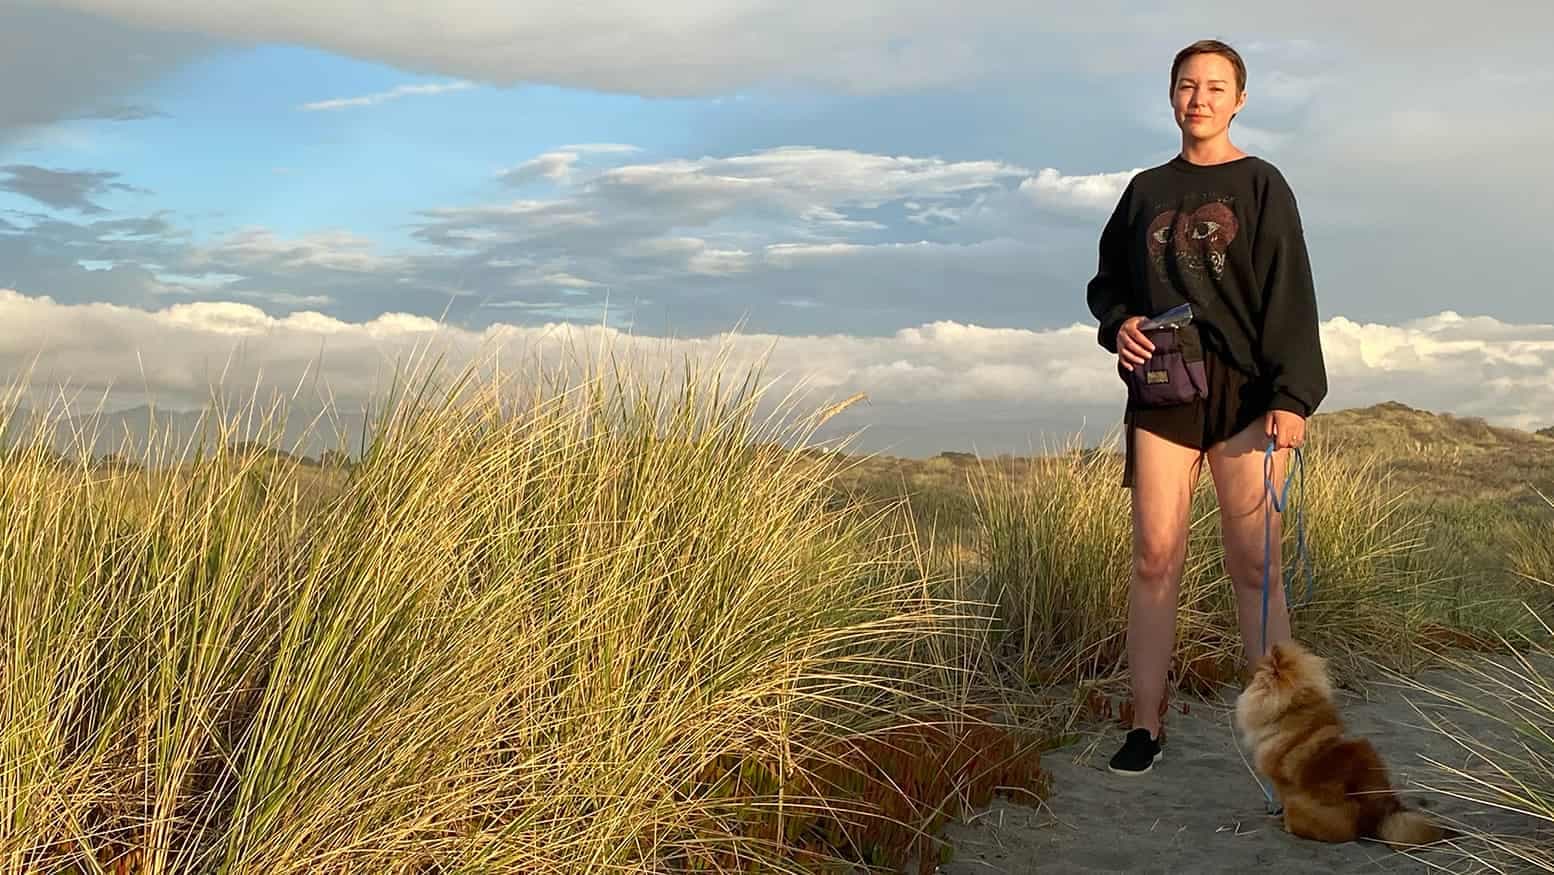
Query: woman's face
1205	96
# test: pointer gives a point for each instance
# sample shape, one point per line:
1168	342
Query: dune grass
1531	553
1512	691
1511	771
574	623
1515	774
579	625
1054	543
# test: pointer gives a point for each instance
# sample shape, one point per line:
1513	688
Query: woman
1217	229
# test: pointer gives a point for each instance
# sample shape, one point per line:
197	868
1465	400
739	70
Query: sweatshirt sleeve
1109	292
1290	345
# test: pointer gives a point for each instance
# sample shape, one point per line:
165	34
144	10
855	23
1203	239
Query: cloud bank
789	239
680	47
929	387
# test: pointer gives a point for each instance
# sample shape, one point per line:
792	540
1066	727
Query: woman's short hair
1211	47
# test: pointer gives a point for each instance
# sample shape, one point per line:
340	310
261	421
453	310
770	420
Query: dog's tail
1407	827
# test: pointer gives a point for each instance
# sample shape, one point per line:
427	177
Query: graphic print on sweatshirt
1189	240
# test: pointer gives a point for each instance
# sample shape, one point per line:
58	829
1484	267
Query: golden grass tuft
1054	544
558	625
1512	772
1509	770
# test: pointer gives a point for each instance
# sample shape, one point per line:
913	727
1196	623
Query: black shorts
1235	401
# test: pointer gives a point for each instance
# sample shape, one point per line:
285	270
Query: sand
1200	810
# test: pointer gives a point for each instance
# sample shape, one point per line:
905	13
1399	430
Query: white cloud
1099	191
957	375
719	262
811	177
283	299
566	280
555	166
602	148
786	195
254	248
658	229
385	96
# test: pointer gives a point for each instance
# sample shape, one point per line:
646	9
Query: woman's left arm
1290	346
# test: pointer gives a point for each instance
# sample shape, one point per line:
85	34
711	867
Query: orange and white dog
1334	788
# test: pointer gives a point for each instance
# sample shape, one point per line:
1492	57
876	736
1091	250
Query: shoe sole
1116	771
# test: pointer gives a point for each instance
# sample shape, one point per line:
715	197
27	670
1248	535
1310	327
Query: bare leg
1237	468
1164	476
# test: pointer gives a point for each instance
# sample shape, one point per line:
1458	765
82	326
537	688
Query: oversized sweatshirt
1227	239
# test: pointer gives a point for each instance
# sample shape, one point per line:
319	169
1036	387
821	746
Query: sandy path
1201	811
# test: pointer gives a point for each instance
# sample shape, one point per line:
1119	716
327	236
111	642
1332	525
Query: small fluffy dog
1334	789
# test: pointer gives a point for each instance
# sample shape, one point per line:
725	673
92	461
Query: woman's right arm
1110	291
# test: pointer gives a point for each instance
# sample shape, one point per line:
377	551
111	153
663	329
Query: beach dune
1201	811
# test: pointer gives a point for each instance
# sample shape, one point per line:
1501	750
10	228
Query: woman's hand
1133	347
1286	428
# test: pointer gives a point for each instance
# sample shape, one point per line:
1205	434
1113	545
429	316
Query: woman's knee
1245	567
1157	562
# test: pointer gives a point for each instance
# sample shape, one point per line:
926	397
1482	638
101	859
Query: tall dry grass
1531	553
1055	544
1510	768
558	625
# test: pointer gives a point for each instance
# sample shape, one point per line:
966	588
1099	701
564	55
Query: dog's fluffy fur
1334	788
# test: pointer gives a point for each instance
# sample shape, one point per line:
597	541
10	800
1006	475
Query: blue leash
1277	503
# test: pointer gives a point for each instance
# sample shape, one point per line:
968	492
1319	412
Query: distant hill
126	434
1436	457
1444	455
1392	420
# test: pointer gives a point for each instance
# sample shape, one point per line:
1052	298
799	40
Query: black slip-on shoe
1138	754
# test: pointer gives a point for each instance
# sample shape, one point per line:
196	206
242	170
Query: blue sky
806	170
237	143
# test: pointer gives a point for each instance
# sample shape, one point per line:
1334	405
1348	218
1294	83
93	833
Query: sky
896	199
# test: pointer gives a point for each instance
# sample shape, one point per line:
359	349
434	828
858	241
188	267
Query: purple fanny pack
1174	374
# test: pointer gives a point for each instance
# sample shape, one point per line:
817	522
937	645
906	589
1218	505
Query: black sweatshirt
1226	238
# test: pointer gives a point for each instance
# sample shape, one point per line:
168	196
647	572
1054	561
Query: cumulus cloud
557	165
934	386
1474	366
385	96
1090	193
551	165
